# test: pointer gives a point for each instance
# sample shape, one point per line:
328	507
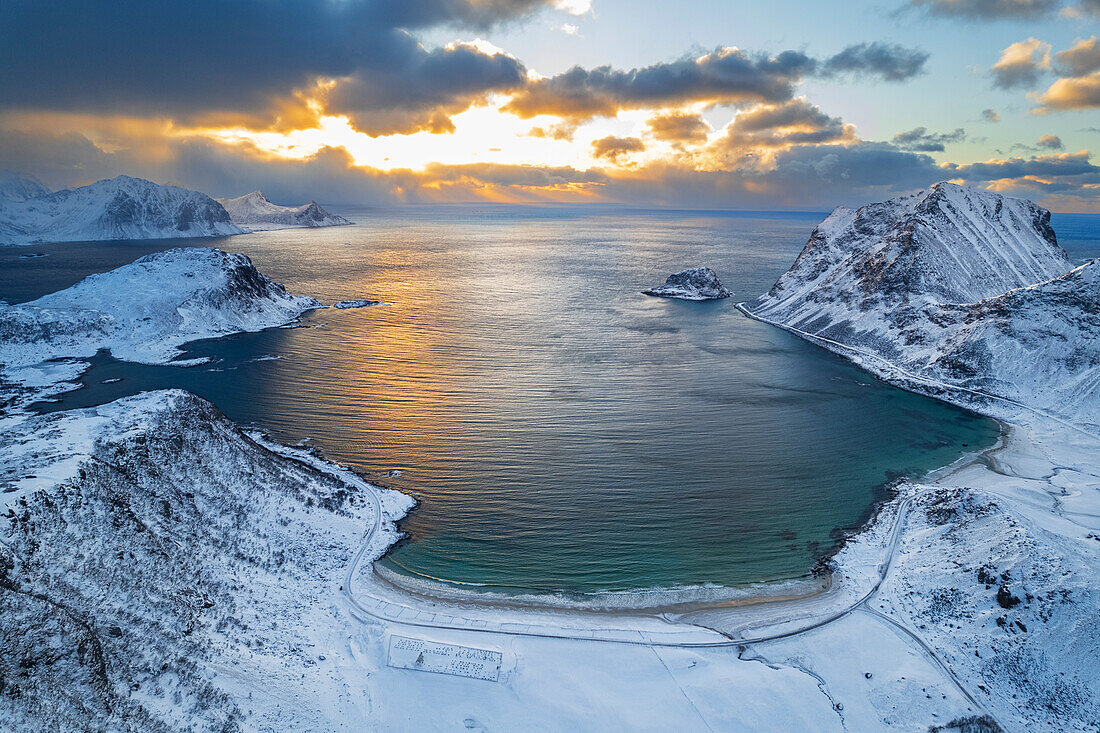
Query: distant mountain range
133	208
255	212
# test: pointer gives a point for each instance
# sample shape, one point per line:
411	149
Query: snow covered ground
146	310
159	568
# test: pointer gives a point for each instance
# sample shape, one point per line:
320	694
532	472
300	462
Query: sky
712	104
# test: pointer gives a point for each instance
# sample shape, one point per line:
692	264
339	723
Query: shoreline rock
699	283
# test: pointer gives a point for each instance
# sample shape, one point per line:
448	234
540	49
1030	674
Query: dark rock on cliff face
700	283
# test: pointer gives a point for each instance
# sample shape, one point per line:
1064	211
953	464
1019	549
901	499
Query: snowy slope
145	310
115	208
955	286
20	187
255	212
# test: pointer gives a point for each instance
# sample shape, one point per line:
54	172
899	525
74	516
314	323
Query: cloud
1084	10
724	76
560	131
1072	93
757	136
202	57
1079	85
919	139
1051	142
1022	64
988	9
574	7
679	127
612	148
1062	165
1080	59
806	176
888	61
423	92
991	115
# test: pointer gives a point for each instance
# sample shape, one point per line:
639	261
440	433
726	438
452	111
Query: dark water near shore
562	431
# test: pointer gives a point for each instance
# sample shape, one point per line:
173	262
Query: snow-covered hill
952	285
255	212
145	310
114	208
20	187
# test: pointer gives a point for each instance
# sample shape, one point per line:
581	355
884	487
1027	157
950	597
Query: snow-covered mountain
951	286
255	212
145	310
20	187
114	208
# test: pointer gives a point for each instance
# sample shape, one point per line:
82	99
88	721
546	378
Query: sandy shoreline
641	602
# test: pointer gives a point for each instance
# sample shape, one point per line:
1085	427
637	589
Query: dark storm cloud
724	76
887	61
424	93
176	58
988	9
920	140
1075	165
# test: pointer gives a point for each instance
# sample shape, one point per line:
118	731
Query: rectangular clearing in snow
430	656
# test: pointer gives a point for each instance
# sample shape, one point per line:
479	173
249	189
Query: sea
564	434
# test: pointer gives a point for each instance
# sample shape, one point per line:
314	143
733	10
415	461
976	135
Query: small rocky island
700	283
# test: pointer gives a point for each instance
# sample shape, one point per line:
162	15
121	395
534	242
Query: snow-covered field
159	568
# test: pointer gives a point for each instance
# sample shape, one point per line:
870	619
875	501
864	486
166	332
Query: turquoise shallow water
562	431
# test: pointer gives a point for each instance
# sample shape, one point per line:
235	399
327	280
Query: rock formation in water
255	212
115	208
700	283
949	288
145	310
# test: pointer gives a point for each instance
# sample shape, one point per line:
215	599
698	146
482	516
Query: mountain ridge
953	286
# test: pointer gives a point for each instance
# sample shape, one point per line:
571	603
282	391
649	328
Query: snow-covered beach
969	596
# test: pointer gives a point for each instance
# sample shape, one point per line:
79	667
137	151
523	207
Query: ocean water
563	432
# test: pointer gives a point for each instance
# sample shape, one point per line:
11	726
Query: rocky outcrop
700	283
